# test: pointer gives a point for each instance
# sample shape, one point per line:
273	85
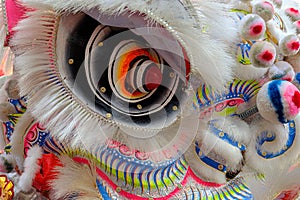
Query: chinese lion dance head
150	99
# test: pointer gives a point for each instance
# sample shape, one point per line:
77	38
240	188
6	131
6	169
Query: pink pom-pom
297	25
264	9
282	70
252	27
263	54
289	45
293	13
278	3
278	101
294	61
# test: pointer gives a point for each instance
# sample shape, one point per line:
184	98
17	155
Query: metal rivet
103	89
221	134
100	44
71	61
172	75
220	167
292	125
108	115
285	147
118	189
239	145
175	108
264	153
200	153
269	135
139	106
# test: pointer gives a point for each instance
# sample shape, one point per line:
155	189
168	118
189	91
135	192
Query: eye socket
128	75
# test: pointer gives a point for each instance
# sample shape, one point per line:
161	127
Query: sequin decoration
6	188
226	103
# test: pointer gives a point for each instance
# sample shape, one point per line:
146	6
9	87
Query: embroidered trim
225	137
210	162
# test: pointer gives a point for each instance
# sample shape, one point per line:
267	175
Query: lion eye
133	75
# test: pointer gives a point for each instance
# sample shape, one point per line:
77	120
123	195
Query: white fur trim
282	162
3	27
54	104
273	183
211	61
205	172
249	72
17	138
30	168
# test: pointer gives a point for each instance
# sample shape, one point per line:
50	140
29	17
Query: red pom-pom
296	99
253	27
289	45
297	25
293	13
266	56
264	9
263	54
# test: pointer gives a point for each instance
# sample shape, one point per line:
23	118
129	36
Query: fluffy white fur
236	129
274	183
7	159
282	68
206	173
6	108
73	177
227	154
295	62
11	86
270	166
277	33
17	139
242	5
176	138
30	168
249	72
2	139
211	61
3	91
265	12
53	103
3	27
